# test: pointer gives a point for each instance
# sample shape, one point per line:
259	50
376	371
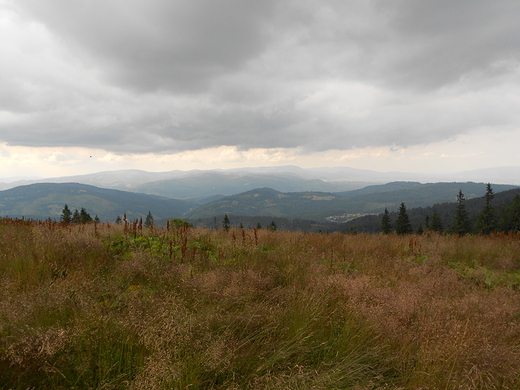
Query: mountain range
198	184
340	206
46	200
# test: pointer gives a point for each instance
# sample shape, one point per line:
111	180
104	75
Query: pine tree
273	226
511	216
226	223
76	217
386	224
66	215
436	225
461	224
487	221
420	229
149	220
119	220
402	223
84	217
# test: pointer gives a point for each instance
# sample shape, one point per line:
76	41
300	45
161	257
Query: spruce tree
226	223
420	229
84	216
148	222
436	224
273	226
487	221
461	224
402	223
386	224
66	215
76	217
511	216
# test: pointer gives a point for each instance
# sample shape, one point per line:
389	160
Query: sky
402	85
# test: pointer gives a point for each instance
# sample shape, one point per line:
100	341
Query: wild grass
110	307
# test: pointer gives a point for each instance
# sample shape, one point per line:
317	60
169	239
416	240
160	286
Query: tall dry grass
111	307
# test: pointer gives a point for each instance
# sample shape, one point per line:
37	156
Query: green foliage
178	223
402	223
66	215
461	224
226	224
436	223
487	221
510	221
149	220
386	224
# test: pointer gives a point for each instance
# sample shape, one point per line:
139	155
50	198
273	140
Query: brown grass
110	307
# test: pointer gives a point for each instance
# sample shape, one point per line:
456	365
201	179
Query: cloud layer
158	76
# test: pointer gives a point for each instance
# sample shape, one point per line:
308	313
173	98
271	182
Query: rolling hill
44	200
342	206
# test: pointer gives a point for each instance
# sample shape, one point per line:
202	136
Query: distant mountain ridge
195	183
44	200
321	206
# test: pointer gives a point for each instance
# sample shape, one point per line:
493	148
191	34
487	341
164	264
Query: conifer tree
66	215
461	224
511	216
402	223
436	224
273	226
226	223
84	216
420	229
149	220
386	224
76	217
487	221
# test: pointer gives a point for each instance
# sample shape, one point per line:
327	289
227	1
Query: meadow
100	306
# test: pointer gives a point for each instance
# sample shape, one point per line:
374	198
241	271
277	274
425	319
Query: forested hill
323	206
44	200
446	211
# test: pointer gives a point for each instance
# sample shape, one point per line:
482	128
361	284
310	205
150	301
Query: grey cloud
162	76
175	45
436	43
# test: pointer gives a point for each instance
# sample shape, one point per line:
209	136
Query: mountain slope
209	183
446	211
45	200
342	206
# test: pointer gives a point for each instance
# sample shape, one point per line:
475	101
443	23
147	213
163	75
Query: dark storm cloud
439	42
160	44
163	76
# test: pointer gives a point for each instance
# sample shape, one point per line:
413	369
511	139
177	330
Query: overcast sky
419	86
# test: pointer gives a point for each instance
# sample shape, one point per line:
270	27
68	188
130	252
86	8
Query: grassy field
120	307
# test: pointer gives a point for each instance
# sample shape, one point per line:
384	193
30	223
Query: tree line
82	216
489	219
